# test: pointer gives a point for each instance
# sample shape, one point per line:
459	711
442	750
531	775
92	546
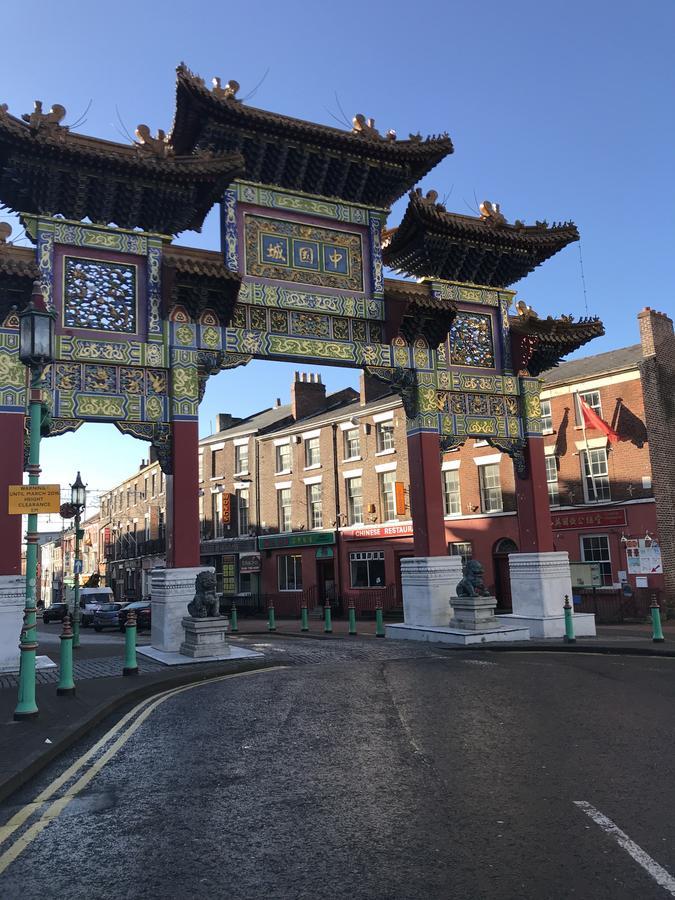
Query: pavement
27	747
366	770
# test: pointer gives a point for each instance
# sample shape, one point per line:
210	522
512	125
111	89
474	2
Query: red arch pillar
183	497
534	513
11	472
426	494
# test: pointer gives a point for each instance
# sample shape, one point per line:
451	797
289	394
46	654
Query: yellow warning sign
34	498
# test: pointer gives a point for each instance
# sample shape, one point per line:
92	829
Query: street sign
77	567
34	498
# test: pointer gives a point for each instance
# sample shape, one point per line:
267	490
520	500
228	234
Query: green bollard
234	627
379	621
569	623
657	631
352	618
328	624
271	621
304	618
130	663
66	685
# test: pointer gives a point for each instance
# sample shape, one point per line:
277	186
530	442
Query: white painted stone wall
12	603
170	592
429	583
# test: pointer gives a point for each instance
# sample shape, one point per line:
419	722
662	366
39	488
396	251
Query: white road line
657	872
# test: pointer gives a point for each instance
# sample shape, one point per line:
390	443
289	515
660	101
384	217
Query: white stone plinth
177	659
428	584
171	590
539	584
12	603
474	613
205	637
456	636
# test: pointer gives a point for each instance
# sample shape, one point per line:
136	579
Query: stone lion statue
472	583
205	603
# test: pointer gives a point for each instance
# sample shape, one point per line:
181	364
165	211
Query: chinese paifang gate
142	323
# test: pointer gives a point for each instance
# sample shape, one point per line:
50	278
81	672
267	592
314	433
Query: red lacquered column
426	494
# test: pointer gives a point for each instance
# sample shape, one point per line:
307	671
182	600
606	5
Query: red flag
593	420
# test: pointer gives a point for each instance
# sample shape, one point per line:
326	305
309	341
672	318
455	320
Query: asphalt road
432	775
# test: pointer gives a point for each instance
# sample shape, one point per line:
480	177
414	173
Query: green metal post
657	631
66	685
130	662
379	621
304	618
352	618
234	627
271	621
76	584
26	707
569	622
327	620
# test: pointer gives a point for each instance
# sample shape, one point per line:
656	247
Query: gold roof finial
5	231
159	145
229	92
490	212
51	120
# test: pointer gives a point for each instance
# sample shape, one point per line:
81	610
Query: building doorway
500	559
325	579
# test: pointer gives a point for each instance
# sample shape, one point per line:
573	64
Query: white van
90	600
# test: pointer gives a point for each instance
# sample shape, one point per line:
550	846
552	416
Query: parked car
142	610
55	613
106	616
90	600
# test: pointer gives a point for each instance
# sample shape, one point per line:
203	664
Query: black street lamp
36	350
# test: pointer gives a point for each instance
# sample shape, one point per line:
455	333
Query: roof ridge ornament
525	311
429	198
491	213
5	232
366	128
50	121
159	146
229	92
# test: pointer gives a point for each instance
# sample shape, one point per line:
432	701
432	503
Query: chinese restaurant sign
601	518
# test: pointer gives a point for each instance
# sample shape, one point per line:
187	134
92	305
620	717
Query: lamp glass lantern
36	336
78	492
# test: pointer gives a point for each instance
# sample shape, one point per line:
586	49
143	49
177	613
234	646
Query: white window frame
387	490
243	521
240	457
282	507
600	480
279	450
367	557
346	441
591	399
312	443
289	561
314	505
217	513
352	507
546	417
552	483
488	491
382	444
606	576
448	474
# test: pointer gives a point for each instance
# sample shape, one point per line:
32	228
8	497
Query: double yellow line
141	712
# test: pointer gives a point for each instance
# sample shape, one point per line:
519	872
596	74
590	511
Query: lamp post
36	350
78	499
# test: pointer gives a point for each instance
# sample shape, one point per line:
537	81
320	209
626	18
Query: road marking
145	708
660	875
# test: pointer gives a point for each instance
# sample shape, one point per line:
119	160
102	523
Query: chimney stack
371	388
225	421
308	395
656	331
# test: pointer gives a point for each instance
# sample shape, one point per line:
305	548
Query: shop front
370	565
298	567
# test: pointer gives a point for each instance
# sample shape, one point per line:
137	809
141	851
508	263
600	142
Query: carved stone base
539	584
474	613
429	585
205	637
12	602
171	591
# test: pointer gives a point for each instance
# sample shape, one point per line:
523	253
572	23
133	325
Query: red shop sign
380	532
599	518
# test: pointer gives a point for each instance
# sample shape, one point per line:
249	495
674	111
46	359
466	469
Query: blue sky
556	111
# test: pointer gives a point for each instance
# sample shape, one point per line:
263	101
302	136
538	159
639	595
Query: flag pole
588	458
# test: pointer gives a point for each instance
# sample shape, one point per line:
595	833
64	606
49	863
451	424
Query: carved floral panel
99	295
471	340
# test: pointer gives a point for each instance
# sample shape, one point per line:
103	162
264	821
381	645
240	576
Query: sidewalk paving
27	747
